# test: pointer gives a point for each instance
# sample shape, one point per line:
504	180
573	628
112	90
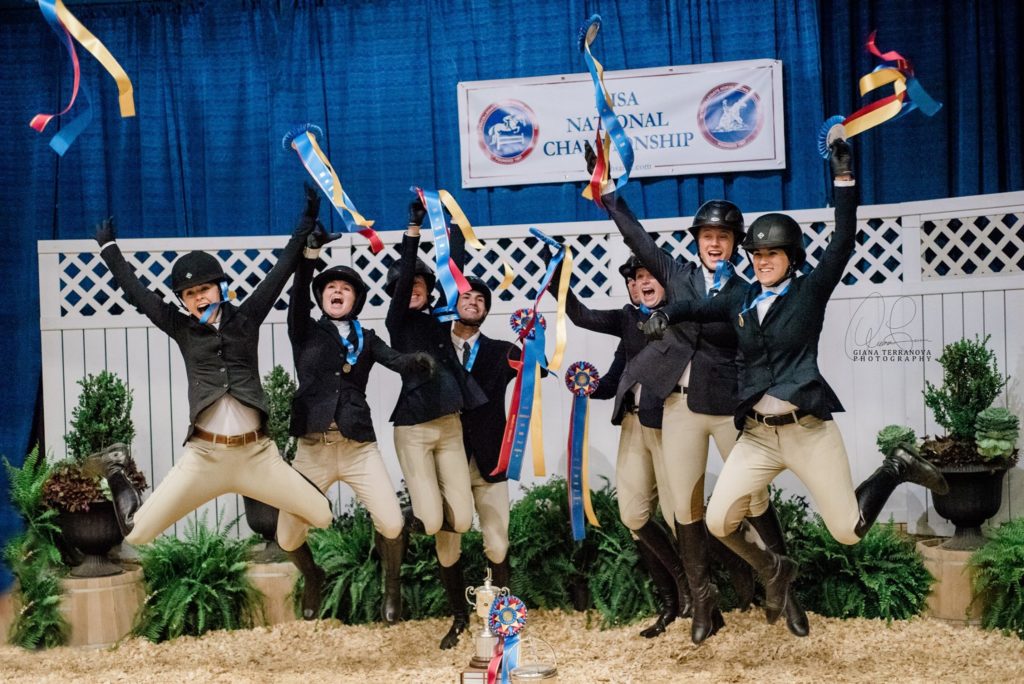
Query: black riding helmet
777	230
628	269
349	276
196	268
720	214
420	269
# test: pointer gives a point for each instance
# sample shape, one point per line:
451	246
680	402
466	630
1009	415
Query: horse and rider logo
730	116
507	131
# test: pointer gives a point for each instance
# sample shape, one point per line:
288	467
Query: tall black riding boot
900	465
451	578
500	573
110	463
391	552
776	571
313	580
664	589
769	529
693	549
741	575
660	544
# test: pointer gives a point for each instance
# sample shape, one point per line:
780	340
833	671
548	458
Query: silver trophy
482	598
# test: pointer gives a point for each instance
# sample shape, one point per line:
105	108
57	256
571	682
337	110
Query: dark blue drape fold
217	84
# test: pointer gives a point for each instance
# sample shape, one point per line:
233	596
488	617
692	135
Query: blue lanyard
644	309
760	298
723	271
472	354
210	310
353	351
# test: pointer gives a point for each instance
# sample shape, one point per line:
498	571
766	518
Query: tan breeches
491	501
641	479
436	472
685	436
813	449
336	458
206	470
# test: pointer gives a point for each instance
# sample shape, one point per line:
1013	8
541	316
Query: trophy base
479	663
473	675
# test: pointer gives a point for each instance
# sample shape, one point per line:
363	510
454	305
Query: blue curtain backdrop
218	83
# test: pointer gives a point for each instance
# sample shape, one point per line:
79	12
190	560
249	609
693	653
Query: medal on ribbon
67	26
524	414
582	379
908	94
303	139
614	132
506	621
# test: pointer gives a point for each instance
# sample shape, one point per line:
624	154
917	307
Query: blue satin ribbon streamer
472	355
604	109
442	256
533	355
353	352
509	658
723	271
578	431
324	179
60	142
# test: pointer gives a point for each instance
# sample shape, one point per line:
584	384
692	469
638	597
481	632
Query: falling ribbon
614	131
302	139
582	379
908	94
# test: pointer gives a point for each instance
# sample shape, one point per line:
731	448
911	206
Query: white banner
681	120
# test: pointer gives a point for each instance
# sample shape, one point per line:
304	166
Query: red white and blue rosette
582	379
506	621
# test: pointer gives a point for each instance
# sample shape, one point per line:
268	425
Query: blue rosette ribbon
582	379
530	326
506	621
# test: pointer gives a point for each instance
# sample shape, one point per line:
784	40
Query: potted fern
980	444
80	495
279	388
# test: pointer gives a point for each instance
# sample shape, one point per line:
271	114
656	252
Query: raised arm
717	309
398	310
259	303
163	314
301	304
829	271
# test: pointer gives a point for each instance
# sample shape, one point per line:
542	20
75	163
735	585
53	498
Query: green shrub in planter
882	576
279	388
197	584
35	560
999	578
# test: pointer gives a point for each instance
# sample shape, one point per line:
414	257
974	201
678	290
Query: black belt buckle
777	421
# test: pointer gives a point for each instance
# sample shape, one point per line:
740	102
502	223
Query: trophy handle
469	592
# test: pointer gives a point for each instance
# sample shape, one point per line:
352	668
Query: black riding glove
417	212
417	363
840	158
590	156
312	209
320	237
105	231
656	325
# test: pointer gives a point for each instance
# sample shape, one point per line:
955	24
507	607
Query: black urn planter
262	519
94	533
975	494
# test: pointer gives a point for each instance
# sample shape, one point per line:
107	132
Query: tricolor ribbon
908	94
506	621
67	26
449	275
302	139
582	379
524	414
614	132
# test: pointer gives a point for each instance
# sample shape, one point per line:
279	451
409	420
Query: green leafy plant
970	383
996	433
892	436
883	576
999	578
197	584
102	417
280	389
35	560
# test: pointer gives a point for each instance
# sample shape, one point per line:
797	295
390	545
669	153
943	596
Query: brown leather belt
779	420
228	440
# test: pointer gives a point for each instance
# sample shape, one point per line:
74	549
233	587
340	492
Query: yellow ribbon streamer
92	44
537	427
337	194
459	217
588	507
873	81
563	295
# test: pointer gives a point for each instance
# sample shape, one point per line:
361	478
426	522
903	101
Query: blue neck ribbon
352	351
767	294
723	271
216	305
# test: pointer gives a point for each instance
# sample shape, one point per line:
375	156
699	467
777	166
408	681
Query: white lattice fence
87	326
